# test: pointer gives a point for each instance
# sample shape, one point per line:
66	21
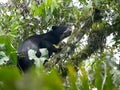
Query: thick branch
73	40
96	41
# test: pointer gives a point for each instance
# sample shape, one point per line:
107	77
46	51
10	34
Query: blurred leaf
8	47
109	85
98	78
40	80
84	78
72	78
8	77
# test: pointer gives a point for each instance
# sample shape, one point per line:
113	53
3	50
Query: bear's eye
54	27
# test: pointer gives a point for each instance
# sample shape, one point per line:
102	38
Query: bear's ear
54	27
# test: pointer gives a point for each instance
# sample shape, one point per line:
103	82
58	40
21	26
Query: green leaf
8	77
84	79
41	10
8	47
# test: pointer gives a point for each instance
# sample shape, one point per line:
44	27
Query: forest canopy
90	57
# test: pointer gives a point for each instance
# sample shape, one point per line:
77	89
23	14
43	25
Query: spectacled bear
36	42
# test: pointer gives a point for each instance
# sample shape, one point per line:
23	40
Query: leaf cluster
96	19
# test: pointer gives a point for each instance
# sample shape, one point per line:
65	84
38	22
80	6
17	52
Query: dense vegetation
89	60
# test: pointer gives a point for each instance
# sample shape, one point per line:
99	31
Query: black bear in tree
36	42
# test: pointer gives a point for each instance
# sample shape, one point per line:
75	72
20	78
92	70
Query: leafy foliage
91	63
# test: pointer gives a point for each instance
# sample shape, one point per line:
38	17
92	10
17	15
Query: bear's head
61	31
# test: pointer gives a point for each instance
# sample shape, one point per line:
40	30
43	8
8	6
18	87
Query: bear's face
61	31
